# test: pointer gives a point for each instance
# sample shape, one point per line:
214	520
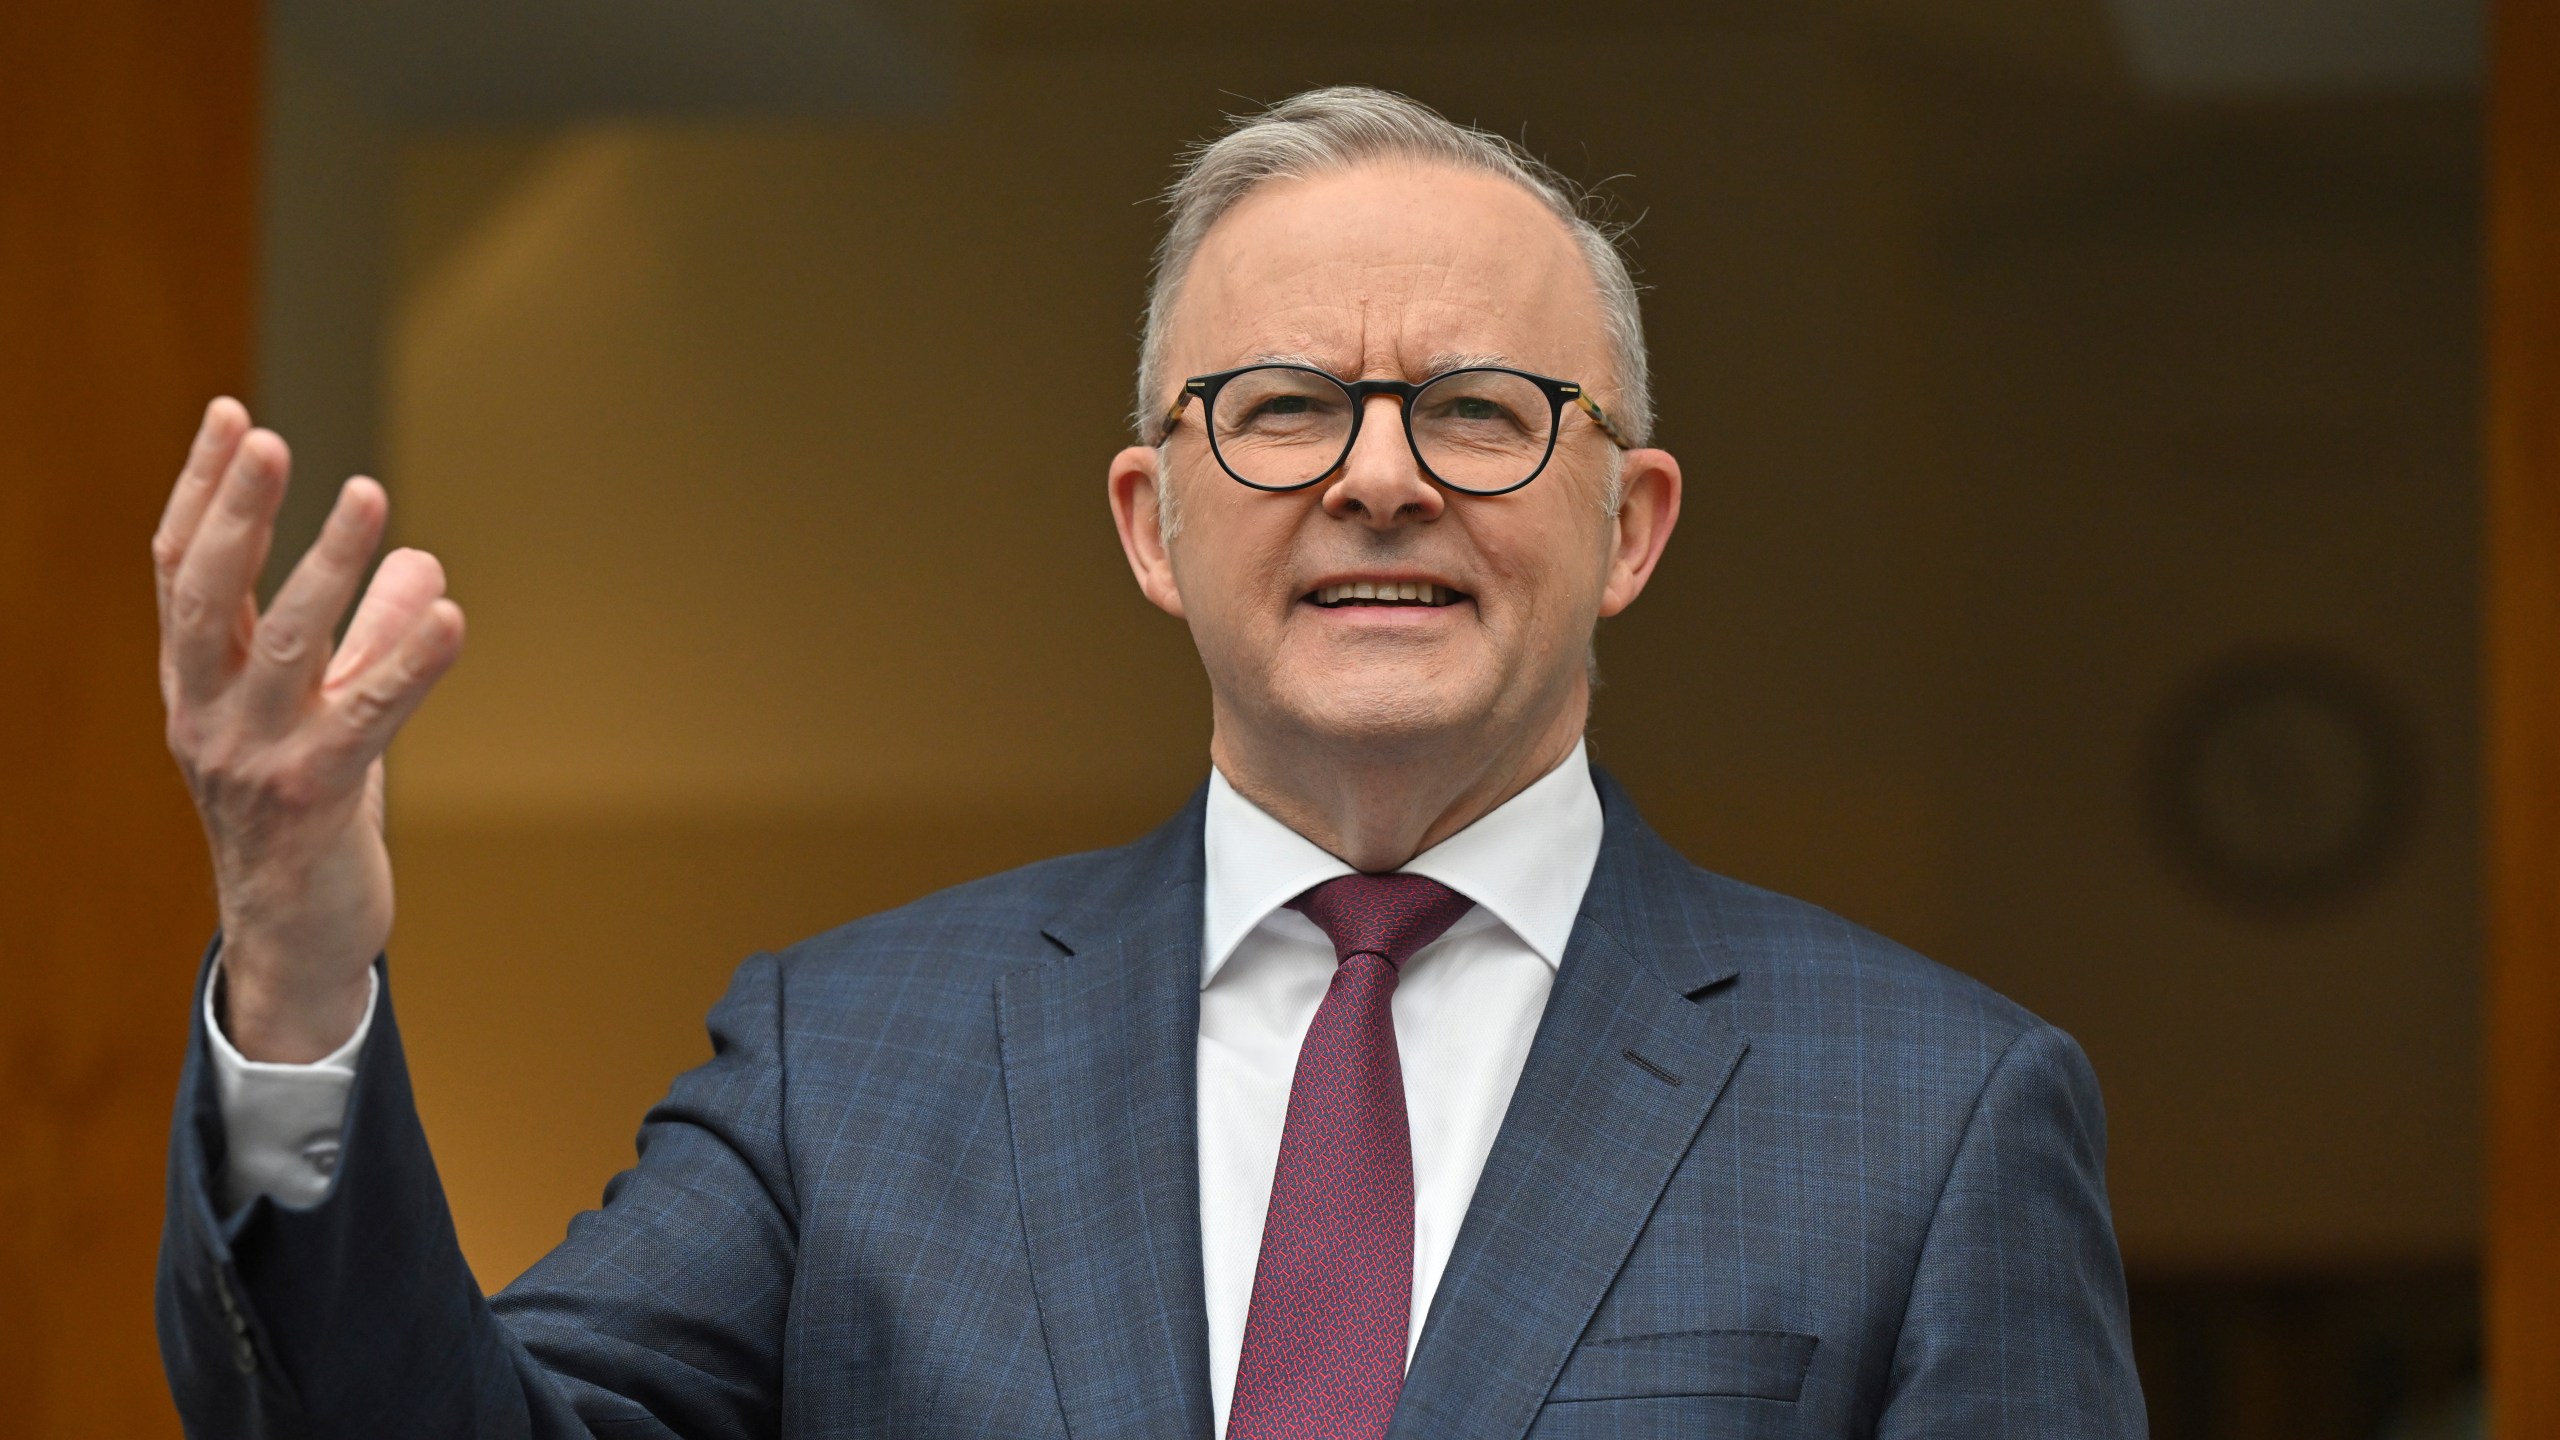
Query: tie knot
1389	916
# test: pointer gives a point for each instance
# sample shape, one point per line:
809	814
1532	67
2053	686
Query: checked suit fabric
1324	1337
968	1125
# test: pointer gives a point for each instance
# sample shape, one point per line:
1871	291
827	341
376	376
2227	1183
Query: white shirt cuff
281	1123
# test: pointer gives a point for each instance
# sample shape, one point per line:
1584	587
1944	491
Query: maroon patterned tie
1333	1294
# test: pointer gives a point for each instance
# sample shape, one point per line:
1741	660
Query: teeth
1422	591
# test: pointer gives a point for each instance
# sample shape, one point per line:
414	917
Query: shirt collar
1527	862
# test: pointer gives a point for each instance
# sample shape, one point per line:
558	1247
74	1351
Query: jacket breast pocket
1755	1364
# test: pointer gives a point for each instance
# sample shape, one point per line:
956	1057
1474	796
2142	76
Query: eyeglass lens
1482	430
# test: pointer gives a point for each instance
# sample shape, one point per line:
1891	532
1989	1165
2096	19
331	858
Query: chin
1387	713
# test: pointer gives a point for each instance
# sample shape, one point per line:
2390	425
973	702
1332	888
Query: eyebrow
1446	361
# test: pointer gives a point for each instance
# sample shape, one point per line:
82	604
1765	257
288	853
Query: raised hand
281	736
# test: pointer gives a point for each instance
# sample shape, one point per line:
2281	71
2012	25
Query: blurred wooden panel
127	201
2523	665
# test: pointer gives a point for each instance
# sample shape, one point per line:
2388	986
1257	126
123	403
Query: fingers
211	611
292	639
405	584
405	635
225	421
372	703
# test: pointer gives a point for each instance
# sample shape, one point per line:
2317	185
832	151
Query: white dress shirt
281	1123
1466	1007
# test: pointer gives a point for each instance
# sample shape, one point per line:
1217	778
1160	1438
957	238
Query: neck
1377	804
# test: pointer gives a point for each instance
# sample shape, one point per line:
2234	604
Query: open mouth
1408	593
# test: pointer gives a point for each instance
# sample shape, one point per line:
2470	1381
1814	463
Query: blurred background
2078	581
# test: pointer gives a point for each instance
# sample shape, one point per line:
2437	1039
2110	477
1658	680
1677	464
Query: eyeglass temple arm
1181	398
1591	408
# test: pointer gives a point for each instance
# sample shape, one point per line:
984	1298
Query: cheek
1231	560
1548	570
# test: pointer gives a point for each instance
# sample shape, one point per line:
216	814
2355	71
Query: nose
1381	484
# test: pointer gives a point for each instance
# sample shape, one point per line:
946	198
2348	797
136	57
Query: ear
1648	509
1135	475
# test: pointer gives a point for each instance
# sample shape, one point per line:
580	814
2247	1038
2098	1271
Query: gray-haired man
1403	1083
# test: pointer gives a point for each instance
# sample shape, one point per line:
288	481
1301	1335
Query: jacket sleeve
660	1315
2017	1324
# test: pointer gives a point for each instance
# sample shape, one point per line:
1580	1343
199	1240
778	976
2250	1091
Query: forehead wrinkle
1444	361
1439	362
1337	339
1356	304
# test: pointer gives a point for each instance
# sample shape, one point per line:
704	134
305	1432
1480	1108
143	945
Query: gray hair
1343	126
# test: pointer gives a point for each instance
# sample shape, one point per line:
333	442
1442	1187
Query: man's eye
1472	410
1285	405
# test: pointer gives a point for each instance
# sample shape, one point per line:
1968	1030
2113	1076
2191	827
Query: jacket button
243	1358
231	1316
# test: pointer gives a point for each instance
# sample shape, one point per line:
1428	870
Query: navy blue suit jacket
1765	1174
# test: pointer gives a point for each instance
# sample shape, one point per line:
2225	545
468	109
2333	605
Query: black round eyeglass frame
1205	388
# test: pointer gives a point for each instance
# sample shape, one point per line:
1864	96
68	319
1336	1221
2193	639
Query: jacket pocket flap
1759	1364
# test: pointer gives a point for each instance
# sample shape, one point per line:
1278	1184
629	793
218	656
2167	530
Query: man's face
1395	272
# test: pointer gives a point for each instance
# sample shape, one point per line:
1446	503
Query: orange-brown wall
128	135
767	461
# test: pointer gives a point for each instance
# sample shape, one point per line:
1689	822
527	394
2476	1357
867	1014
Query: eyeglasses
1483	430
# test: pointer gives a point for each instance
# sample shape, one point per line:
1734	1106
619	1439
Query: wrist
281	1019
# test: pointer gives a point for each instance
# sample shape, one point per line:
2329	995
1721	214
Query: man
1404	1083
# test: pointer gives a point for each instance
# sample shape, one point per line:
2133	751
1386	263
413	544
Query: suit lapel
1594	1131
1100	1063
